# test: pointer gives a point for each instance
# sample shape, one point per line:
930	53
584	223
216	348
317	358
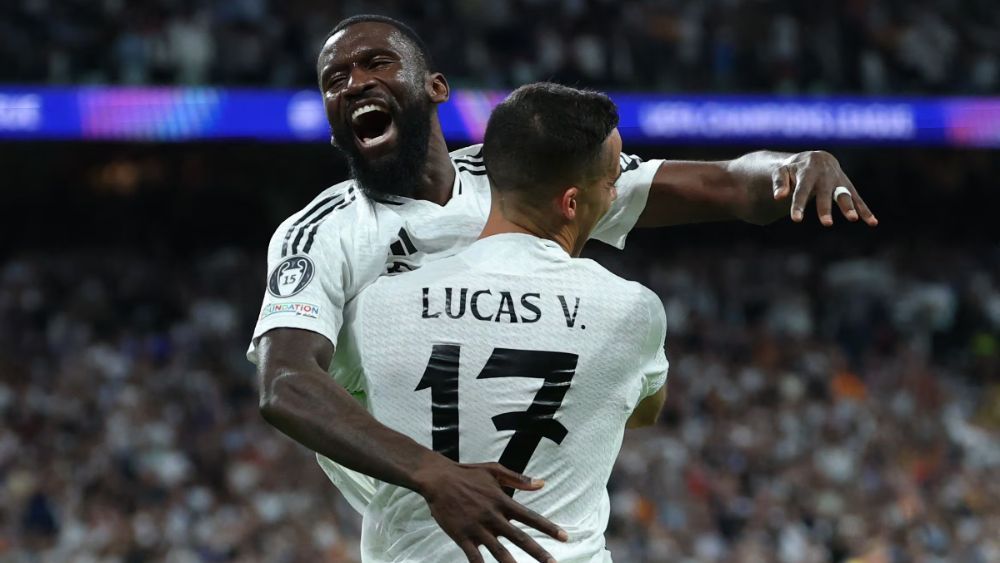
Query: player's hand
470	505
817	174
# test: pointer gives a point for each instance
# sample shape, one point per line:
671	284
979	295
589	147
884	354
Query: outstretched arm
758	187
300	399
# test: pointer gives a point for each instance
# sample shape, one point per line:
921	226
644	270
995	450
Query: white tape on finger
841	190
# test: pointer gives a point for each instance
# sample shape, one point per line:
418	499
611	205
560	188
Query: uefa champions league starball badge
291	276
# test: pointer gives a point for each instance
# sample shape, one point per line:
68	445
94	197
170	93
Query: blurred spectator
865	46
190	43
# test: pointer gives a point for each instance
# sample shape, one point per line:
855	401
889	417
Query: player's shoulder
635	168
471	153
339	195
625	299
608	283
629	162
471	169
437	271
334	209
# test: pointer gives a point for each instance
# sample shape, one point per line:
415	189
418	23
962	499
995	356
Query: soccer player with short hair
410	201
514	350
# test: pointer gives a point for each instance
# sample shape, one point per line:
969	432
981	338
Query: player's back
510	351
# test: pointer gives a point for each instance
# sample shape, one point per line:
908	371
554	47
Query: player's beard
399	172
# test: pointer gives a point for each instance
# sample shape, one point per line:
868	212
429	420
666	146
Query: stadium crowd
870	46
821	408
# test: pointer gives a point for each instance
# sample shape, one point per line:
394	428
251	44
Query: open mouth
372	125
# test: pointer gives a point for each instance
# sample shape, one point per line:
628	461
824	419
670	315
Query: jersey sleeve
346	367
653	365
307	284
633	190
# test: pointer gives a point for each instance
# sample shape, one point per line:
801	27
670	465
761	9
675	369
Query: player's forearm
318	413
753	173
684	192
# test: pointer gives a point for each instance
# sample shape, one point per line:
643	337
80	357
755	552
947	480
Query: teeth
369	142
365	109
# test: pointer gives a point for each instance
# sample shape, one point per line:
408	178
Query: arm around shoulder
300	399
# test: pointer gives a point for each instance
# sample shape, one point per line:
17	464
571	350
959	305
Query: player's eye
336	81
379	63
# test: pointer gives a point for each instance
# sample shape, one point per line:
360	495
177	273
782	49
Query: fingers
491	542
508	478
845	200
499	552
803	189
471	552
517	511
781	182
866	214
522	540
817	176
824	204
859	204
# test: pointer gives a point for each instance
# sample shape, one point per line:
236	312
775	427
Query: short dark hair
407	31
545	137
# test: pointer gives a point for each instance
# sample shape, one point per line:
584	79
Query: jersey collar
505	243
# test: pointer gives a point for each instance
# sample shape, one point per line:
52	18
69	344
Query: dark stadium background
834	394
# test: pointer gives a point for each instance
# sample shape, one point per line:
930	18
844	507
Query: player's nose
358	81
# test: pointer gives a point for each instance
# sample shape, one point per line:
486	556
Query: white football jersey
509	351
324	255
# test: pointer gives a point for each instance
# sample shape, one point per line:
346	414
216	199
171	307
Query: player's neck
498	223
439	175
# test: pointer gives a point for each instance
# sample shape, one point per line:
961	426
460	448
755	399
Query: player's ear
568	203
437	87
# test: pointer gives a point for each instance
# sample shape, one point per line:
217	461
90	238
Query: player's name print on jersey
495	305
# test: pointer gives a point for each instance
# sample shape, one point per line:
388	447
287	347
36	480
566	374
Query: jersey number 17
529	426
